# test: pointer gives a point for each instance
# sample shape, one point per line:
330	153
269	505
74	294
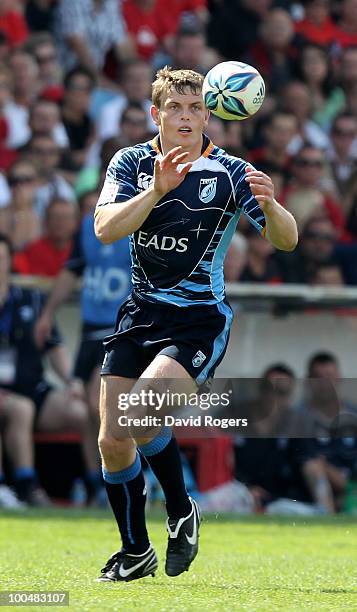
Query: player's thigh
59	412
111	387
164	376
162	368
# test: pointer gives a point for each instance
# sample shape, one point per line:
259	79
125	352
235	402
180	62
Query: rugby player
179	198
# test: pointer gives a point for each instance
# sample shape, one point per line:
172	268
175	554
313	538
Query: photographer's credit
190	421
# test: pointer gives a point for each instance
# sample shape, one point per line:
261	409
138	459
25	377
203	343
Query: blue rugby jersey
178	252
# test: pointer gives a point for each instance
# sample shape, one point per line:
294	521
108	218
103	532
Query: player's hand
166	175
42	330
261	187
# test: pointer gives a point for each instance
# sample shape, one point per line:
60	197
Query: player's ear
207	115
155	114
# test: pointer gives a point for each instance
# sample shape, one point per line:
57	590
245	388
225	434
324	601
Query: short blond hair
168	78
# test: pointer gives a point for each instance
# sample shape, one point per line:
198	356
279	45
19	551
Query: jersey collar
207	145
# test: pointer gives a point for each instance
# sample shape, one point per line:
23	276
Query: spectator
322	398
234	139
87	203
273	51
151	25
47	255
19	221
16	427
12	23
86	30
45	120
259	266
234	25
92	177
78	85
4	48
188	13
136	86
39	15
215	130
190	51
318	245
42	48
133	125
307	196
46	154
106	271
278	132
316	71
347	69
327	275
296	99
317	25
329	414
13	120
132	128
236	257
25	74
342	156
346	31
294	470
56	409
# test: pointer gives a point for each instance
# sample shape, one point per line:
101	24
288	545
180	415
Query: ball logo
258	99
207	189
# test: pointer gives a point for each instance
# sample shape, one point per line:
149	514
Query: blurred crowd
75	85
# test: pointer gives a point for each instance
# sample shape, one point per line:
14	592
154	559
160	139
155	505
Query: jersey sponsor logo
162	243
198	359
207	189
144	180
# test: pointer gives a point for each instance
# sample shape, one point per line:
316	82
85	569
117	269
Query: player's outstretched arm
115	221
281	229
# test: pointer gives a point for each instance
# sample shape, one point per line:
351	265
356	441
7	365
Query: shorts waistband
165	307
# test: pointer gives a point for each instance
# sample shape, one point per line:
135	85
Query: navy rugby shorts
196	337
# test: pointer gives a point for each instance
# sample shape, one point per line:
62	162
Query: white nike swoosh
193	539
126	572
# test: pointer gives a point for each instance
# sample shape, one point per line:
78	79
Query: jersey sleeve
245	199
121	179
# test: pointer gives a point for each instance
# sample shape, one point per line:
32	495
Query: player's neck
194	151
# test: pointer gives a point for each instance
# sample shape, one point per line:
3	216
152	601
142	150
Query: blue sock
24	472
2	478
25	481
163	455
127	496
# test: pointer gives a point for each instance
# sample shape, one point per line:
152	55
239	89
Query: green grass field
256	563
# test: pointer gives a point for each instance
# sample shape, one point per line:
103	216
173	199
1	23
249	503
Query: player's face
181	120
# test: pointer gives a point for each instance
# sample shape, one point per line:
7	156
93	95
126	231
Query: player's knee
76	416
112	448
23	410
